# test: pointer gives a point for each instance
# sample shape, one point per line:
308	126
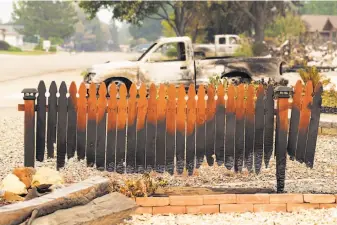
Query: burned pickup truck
172	60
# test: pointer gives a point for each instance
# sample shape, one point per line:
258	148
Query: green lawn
27	53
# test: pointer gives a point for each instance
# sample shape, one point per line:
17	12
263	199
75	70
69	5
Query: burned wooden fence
167	129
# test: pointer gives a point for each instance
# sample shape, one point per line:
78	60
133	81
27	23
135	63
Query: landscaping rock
46	175
105	210
11	197
13	184
25	174
74	195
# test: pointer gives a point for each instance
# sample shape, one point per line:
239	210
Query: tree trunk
259	33
259	23
179	20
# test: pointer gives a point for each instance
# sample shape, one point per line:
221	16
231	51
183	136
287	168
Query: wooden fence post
29	95
282	95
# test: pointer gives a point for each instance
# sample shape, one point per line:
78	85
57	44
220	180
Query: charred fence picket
167	129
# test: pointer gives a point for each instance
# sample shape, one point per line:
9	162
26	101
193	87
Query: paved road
19	72
14	67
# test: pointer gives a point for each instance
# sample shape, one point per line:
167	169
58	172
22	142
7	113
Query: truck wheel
237	78
118	83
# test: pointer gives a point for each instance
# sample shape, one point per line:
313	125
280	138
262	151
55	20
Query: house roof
318	22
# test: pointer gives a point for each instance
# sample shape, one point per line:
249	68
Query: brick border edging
230	203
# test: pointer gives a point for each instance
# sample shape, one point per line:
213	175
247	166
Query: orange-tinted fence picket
167	128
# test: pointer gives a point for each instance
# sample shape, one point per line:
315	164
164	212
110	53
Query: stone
236	208
202	209
166	210
319	198
270	207
11	197
32	193
74	195
109	209
152	201
45	175
219	199
286	198
186	200
253	198
298	207
12	184
25	174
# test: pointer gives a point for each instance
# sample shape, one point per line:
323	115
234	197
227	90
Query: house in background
321	26
10	34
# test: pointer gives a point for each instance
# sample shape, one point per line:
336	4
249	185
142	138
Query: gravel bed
305	217
299	178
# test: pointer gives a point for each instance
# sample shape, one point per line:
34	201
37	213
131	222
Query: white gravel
299	179
321	179
305	217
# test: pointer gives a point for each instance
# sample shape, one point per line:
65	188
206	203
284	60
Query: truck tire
237	78
118	82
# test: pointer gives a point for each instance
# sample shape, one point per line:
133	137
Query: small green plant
216	80
329	98
245	49
143	187
311	73
52	49
14	49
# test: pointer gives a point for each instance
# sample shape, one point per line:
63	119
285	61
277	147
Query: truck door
169	63
233	44
221	46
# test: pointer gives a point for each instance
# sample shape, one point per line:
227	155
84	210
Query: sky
6	8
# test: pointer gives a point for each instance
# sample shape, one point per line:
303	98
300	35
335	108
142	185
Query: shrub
216	80
39	46
260	49
142	187
52	49
4	45
311	73
56	40
14	49
245	50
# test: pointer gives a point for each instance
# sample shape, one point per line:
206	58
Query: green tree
45	18
136	11
261	13
287	27
90	35
114	32
149	29
319	7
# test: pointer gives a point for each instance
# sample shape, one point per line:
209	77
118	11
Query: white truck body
171	60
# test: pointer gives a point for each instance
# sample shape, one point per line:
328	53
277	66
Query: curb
233	203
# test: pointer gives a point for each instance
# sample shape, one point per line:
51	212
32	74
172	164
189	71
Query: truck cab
169	60
224	45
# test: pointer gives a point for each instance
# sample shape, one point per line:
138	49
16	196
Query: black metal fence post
282	94
29	96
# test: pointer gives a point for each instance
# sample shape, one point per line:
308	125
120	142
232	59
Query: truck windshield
147	50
